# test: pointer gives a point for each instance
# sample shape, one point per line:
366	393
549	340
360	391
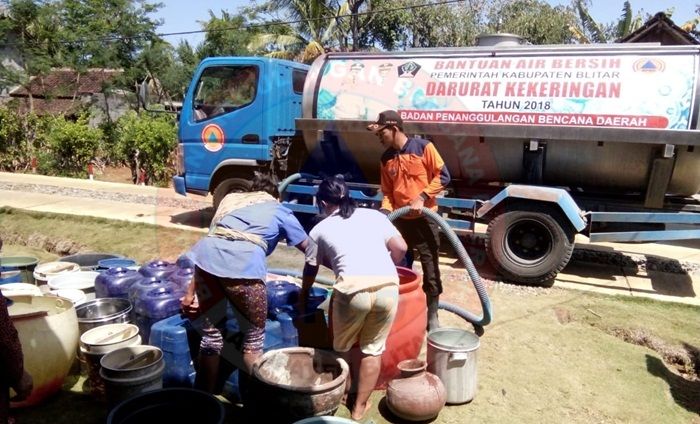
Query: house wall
10	59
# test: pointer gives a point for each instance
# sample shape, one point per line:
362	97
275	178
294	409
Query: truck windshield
222	89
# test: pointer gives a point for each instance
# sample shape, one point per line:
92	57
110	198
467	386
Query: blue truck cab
237	117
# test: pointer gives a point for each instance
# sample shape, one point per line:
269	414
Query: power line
251	25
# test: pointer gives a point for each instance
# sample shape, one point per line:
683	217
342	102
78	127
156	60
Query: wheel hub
529	240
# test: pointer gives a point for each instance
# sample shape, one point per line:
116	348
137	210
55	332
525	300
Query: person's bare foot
357	415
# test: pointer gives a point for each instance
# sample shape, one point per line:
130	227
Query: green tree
398	24
31	29
227	35
586	30
111	34
71	146
535	20
312	28
146	142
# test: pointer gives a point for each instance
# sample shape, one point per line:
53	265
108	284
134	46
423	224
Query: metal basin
106	310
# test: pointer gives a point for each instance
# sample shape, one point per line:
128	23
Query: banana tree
587	30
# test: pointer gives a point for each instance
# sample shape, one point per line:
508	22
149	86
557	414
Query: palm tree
313	29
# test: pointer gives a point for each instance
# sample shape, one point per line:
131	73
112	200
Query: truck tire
229	185
529	247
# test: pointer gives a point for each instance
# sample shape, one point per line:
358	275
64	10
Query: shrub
147	142
18	140
71	146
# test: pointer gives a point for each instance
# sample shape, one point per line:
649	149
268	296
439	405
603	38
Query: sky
183	15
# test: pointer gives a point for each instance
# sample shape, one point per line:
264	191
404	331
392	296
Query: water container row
154	290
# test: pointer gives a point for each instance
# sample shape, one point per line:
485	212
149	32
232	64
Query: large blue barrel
155	305
158	268
115	282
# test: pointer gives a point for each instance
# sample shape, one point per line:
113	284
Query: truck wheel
529	247
229	185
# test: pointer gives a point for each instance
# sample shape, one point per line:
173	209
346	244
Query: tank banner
630	90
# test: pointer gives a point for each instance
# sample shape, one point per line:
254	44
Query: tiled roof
67	83
64	107
660	28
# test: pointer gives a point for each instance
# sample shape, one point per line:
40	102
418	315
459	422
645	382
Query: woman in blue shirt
230	263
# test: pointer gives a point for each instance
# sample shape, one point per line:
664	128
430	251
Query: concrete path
634	274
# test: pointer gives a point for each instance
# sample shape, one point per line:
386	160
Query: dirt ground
115	174
550	355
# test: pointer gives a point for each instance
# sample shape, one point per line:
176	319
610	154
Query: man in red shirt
413	174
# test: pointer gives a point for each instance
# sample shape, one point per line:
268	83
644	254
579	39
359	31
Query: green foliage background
65	148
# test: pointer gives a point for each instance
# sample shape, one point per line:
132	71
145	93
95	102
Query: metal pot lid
454	339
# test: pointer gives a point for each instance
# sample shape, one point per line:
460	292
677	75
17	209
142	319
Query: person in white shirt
361	246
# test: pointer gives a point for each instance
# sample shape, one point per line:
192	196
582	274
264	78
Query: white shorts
365	317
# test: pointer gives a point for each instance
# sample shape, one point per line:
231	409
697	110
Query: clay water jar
416	395
47	327
293	383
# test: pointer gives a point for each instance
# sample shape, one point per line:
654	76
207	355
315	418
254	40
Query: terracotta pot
417	395
293	383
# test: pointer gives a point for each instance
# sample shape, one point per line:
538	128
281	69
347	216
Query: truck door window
222	89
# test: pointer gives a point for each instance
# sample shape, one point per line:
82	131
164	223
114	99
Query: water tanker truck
542	142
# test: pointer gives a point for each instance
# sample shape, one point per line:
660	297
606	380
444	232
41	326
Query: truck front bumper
179	185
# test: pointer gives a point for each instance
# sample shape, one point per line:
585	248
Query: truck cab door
222	119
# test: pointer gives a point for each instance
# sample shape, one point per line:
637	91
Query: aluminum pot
106	310
452	356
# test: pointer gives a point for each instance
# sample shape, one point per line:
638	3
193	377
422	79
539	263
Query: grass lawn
550	355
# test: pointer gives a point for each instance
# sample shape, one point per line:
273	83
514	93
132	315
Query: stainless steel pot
106	310
452	356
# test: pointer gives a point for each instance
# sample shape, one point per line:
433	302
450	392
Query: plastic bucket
43	272
132	370
176	405
20	289
88	261
24	264
99	341
78	297
108	310
115	263
10	275
452	356
81	280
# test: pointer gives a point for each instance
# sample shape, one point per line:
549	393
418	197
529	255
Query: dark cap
388	117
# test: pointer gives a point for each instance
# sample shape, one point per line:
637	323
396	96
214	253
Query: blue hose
282	186
477	321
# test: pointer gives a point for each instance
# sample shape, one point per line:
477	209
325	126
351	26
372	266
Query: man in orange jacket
413	174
